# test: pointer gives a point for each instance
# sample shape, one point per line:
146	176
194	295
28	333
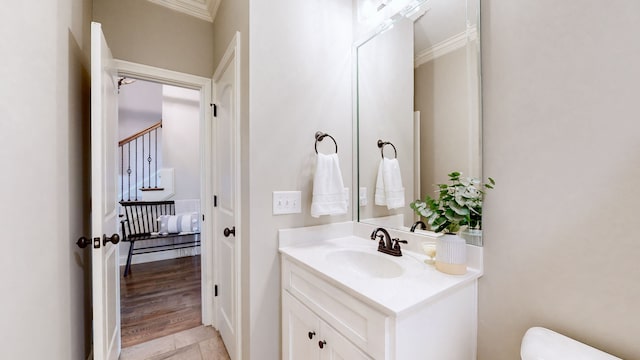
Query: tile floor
201	343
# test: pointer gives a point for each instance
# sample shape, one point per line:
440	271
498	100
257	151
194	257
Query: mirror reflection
418	108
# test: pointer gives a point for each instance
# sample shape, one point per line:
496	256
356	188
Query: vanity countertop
419	284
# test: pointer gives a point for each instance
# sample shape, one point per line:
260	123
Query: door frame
169	77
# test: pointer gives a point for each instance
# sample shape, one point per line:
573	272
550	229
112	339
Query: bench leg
127	267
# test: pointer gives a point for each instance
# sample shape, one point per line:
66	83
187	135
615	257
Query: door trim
232	54
169	77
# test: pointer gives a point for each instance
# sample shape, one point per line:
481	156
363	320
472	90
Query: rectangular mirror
418	95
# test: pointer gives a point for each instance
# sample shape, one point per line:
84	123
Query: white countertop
420	283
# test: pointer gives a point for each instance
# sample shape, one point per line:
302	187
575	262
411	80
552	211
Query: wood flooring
160	298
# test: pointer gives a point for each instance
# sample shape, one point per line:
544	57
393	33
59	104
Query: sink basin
366	264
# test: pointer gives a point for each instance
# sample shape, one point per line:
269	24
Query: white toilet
543	344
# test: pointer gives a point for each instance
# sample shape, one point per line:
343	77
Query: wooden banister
140	133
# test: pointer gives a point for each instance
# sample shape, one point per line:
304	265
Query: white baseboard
156	256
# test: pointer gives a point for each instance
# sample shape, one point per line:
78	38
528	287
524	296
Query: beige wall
145	33
45	308
300	83
442	93
561	138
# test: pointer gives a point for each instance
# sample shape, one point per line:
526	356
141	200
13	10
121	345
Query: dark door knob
228	231
311	334
83	242
115	238
322	343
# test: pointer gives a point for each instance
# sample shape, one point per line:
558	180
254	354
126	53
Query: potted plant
459	204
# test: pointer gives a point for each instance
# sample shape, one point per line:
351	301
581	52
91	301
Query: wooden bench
141	224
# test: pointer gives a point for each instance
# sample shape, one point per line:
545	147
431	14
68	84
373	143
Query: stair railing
139	162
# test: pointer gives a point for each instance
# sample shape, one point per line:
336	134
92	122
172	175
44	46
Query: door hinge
202	217
215	200
215	290
214	109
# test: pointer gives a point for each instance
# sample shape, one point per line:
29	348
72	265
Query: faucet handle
397	242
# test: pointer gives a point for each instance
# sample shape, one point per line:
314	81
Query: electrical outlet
287	202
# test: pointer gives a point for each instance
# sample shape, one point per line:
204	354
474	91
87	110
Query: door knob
322	343
311	334
83	242
115	238
228	231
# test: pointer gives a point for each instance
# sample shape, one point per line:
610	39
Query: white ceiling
202	9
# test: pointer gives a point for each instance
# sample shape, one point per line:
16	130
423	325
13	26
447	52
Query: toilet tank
543	344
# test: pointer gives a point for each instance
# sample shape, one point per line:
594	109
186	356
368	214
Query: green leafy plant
458	204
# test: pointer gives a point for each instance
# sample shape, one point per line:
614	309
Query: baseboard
158	256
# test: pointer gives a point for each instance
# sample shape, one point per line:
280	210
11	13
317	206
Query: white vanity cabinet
307	337
318	309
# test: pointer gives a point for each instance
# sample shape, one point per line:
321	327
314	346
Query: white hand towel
329	195
389	189
380	199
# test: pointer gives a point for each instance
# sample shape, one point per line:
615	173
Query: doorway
210	233
159	160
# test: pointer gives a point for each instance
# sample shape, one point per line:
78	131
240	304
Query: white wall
561	128
139	107
45	308
300	65
181	139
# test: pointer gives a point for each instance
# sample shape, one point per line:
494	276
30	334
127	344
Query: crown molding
201	9
444	47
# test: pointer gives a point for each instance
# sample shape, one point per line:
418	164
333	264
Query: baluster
135	184
121	172
156	135
149	159
129	171
142	160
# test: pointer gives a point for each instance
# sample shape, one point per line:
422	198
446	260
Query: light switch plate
363	196
287	202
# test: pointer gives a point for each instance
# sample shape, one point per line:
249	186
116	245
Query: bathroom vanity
342	299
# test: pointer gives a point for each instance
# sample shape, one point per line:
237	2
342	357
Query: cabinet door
337	347
300	330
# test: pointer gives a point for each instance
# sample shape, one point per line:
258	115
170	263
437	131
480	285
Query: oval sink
365	263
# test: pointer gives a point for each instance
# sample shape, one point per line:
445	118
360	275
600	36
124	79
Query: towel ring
381	145
320	135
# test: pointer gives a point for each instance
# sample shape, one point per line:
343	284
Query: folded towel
389	189
329	194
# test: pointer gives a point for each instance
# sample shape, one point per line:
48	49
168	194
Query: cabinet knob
311	334
322	343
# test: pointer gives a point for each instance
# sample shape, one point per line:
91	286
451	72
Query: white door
105	270
227	225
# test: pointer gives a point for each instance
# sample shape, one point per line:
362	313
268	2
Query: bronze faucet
419	222
386	244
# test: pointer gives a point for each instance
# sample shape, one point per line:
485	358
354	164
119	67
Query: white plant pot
451	254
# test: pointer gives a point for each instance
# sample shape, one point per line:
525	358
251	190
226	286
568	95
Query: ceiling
202	9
